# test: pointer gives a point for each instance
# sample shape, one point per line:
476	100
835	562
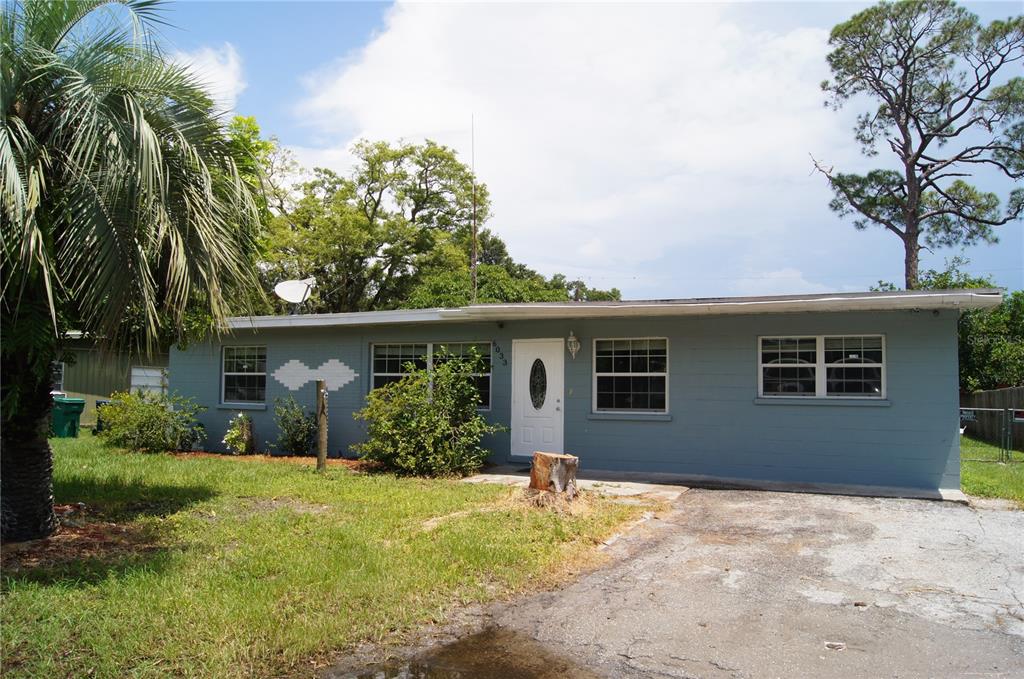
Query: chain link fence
995	426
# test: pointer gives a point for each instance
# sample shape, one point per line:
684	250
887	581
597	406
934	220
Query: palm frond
120	192
50	23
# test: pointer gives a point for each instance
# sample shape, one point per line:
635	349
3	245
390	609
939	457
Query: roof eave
897	301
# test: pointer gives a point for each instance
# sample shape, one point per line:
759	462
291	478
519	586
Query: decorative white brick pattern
295	374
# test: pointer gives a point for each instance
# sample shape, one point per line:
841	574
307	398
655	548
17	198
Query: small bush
296	429
238	437
427	423
151	422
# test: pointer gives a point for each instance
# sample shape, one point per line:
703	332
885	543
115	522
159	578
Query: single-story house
848	389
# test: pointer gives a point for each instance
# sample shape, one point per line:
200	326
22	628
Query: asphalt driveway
759	584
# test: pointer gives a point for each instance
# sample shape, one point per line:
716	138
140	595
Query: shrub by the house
151	422
427	423
296	428
239	438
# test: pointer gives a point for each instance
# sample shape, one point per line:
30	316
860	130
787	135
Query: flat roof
700	306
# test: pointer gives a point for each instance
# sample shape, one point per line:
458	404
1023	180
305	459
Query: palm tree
121	201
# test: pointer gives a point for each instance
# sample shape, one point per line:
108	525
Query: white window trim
619	411
820	369
430	364
224	374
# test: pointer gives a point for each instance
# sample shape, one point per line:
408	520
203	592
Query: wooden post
554	472
321	425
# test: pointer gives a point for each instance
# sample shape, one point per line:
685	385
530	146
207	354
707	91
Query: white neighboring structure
149	379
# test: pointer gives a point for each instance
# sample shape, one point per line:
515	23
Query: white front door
538	386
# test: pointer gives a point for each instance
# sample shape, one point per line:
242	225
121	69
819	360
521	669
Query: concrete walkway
670	486
604	483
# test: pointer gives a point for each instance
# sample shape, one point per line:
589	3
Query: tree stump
554	472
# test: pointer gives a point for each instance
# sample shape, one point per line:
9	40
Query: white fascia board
356	318
959	299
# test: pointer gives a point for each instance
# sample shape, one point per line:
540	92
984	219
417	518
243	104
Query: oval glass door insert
538	384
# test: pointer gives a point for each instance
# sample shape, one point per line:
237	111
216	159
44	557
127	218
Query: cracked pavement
758	584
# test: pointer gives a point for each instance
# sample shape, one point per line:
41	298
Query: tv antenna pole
472	167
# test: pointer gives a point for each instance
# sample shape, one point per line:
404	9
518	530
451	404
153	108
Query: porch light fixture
572	344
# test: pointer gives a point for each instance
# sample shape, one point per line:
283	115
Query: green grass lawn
221	567
990	479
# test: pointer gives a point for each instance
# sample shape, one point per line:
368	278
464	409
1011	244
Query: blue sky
662	149
278	43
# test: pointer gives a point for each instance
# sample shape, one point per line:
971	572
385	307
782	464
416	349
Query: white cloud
781	282
610	136
220	69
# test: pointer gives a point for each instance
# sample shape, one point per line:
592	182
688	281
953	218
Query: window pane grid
392	361
845	350
395	359
850	366
631	375
244	374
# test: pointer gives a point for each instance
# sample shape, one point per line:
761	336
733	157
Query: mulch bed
75	539
353	465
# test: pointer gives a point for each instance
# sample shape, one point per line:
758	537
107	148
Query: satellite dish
295	292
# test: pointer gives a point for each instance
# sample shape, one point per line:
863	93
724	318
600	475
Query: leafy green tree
396	233
252	151
363	258
992	346
991	340
452	288
121	196
253	155
368	237
424	184
942	107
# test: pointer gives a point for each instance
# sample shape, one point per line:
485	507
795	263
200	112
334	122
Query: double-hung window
822	366
391	361
631	375
244	375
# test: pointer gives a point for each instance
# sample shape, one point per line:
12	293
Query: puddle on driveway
491	654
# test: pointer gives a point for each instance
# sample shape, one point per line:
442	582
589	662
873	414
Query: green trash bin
66	415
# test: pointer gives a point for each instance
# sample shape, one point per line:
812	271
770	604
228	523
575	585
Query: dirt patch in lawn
76	539
353	465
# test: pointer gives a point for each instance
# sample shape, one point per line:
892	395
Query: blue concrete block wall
716	425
